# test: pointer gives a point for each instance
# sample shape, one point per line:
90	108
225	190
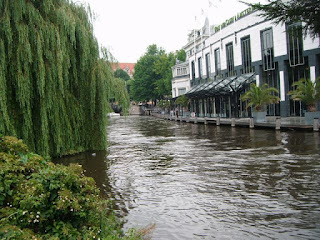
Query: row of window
295	52
181	71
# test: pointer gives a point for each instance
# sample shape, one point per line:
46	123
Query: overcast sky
128	27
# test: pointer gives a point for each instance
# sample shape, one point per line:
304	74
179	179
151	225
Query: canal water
207	182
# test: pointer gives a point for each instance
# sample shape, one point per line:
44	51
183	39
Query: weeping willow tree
122	97
54	87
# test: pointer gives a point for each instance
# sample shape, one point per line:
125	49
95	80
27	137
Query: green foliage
144	84
45	201
121	95
307	92
129	87
181	55
164	104
293	11
119	73
153	74
258	97
163	69
53	85
183	100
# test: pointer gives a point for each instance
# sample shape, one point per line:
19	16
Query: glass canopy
221	87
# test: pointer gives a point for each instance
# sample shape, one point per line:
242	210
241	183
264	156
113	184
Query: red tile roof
128	67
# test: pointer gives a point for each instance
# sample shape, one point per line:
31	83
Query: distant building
181	79
224	60
127	67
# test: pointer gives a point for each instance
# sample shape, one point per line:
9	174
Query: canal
207	182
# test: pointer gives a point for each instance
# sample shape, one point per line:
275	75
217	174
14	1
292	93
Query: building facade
181	80
248	49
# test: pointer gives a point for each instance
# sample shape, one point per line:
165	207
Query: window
295	44
181	71
208	65
181	91
246	55
198	47
193	70
200	67
297	108
272	79
230	59
217	62
267	50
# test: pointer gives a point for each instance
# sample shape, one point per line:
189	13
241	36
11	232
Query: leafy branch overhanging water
54	86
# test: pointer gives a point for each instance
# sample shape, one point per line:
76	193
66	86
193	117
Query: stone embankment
275	123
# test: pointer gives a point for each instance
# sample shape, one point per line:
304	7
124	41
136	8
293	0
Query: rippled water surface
207	182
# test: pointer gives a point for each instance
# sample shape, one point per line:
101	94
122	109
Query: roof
128	67
181	64
221	87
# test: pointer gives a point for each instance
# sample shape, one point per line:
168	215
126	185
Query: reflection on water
208	182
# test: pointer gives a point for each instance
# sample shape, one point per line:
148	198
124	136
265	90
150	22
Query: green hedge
41	200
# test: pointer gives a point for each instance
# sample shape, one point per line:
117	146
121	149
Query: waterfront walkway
288	123
136	110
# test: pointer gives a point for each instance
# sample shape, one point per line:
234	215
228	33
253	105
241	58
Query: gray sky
128	27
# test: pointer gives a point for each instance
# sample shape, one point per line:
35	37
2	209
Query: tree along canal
207	182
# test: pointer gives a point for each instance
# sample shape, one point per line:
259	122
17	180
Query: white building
181	72
245	49
181	79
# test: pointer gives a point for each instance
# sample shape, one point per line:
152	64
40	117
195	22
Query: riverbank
289	123
42	200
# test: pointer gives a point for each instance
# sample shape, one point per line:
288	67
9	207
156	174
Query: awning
221	87
238	83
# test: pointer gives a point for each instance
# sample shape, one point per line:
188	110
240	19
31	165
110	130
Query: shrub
258	97
41	200
164	104
183	100
306	91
